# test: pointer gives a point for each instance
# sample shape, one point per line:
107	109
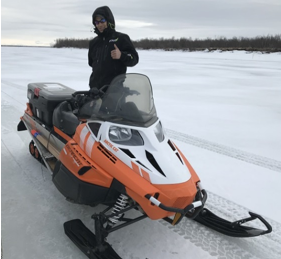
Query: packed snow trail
221	246
265	162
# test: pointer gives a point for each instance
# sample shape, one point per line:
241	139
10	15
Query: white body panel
173	168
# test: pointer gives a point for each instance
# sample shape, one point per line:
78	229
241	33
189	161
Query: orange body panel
86	139
74	158
177	195
78	131
135	168
145	175
172	195
62	134
190	168
120	171
137	186
105	166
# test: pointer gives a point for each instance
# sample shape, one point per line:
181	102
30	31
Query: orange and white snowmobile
108	147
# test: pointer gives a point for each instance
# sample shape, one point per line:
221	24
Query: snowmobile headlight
125	136
158	130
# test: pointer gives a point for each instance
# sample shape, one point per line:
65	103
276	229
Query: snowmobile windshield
128	100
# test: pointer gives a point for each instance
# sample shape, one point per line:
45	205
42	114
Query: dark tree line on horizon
259	43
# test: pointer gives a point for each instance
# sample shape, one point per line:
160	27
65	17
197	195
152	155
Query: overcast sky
41	22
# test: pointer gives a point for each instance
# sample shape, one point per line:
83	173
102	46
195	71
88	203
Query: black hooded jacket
104	68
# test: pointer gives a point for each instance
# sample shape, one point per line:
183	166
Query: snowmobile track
265	162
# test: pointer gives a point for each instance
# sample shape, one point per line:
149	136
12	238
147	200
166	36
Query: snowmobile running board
233	229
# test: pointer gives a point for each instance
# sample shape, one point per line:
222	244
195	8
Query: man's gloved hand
77	101
116	53
94	93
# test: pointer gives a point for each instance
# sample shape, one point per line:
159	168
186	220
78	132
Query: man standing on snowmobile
111	52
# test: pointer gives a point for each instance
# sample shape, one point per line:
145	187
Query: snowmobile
108	147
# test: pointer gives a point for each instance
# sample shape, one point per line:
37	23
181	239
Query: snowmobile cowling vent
171	145
107	154
152	160
179	157
127	152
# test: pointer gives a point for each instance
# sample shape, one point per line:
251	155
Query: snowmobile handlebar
93	92
80	92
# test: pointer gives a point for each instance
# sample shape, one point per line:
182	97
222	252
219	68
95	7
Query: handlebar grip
80	92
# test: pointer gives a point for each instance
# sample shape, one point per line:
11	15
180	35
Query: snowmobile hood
106	13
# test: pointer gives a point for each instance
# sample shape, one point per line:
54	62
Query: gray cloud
47	20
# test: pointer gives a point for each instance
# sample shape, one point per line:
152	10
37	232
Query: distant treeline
260	43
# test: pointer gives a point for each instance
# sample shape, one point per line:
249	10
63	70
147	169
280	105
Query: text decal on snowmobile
111	145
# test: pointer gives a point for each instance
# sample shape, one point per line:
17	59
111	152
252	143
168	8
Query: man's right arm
90	60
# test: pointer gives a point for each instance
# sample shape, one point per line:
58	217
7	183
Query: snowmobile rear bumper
233	229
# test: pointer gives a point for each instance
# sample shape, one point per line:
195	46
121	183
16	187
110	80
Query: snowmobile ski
233	229
86	241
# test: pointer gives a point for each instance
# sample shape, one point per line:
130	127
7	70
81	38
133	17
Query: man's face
101	24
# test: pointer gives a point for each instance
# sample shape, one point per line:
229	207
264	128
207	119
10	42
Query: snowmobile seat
64	119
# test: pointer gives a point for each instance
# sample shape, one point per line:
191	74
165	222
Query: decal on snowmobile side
115	149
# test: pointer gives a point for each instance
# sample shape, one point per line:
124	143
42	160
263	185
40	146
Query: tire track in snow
221	246
265	162
10	84
9	93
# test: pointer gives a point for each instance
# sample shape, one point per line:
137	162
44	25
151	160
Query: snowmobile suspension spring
119	205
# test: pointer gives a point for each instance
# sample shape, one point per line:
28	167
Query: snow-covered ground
222	109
